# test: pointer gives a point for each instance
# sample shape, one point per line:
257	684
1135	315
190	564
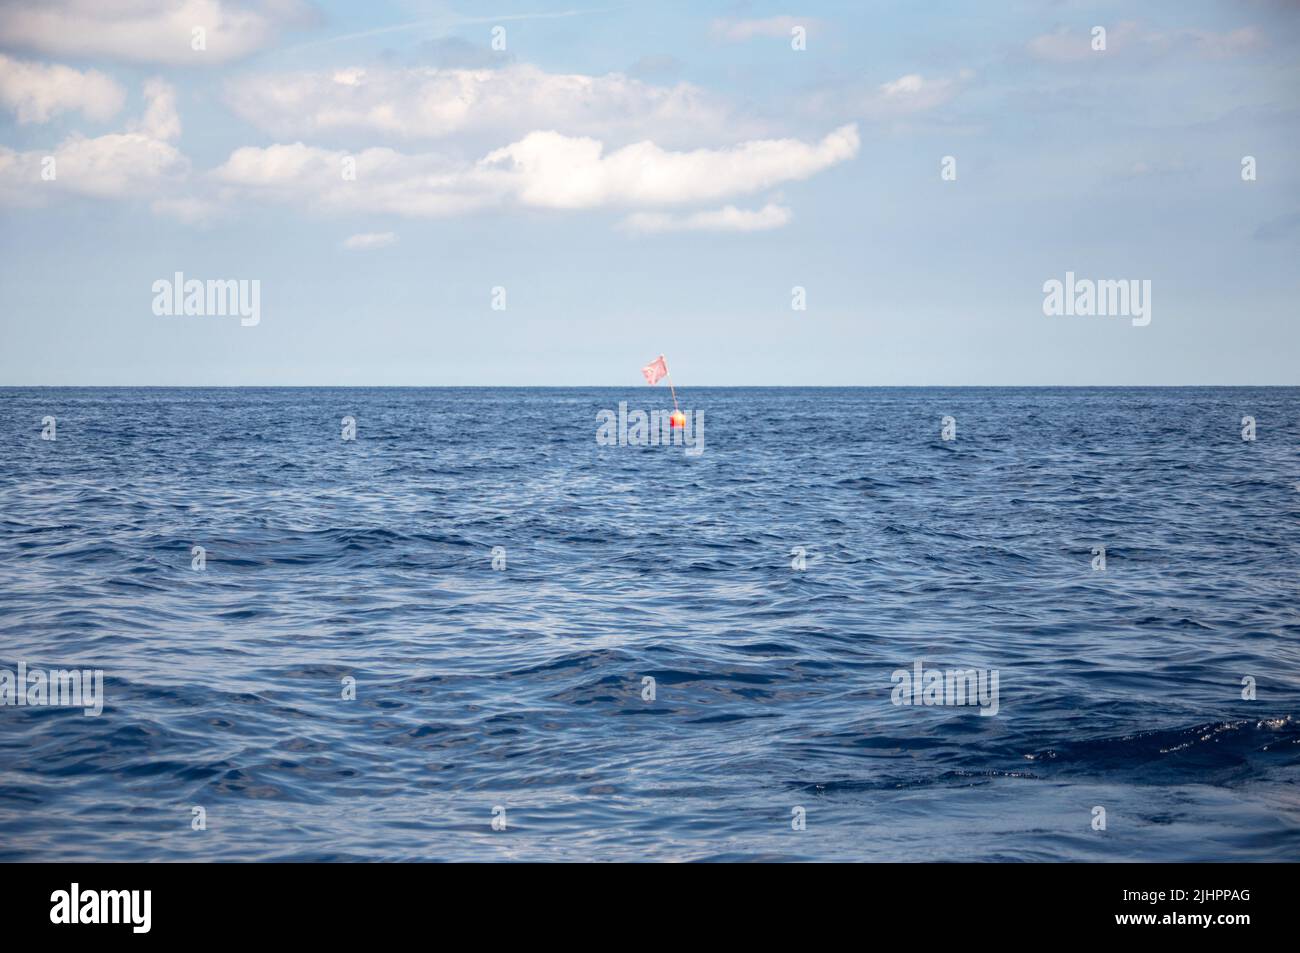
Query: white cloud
118	165
542	170
738	30
135	163
367	240
160	120
38	92
432	103
554	171
726	219
147	31
387	181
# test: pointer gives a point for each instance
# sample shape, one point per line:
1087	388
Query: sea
389	624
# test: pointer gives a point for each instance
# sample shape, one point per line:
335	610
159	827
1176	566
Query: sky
542	194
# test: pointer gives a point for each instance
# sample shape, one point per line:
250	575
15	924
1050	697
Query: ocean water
522	688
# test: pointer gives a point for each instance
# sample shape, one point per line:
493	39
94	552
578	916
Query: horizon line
635	386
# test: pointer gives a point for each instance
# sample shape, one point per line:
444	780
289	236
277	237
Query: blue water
522	688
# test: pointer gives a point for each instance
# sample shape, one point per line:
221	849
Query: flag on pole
655	371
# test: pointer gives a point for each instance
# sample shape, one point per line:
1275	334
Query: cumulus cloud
426	102
135	163
160	120
726	219
118	165
147	31
541	170
387	181
367	240
555	171
38	92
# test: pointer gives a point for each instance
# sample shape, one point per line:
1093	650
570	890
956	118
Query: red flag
655	371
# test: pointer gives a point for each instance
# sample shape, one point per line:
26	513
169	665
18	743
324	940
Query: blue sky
647	178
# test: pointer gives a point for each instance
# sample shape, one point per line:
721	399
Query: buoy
656	371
